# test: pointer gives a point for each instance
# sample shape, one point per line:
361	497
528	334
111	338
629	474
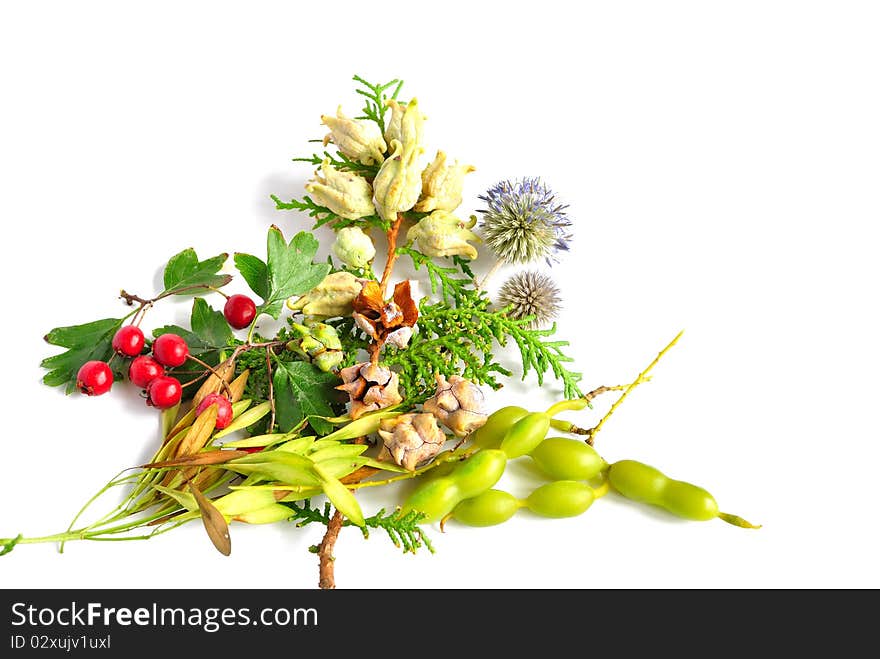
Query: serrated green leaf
84	342
209	324
290	268
255	273
303	390
186	275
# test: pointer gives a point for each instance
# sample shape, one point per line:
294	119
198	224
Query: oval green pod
434	498
561	499
689	501
562	458
487	509
490	434
524	435
479	472
637	481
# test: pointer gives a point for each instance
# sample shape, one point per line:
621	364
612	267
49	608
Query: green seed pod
524	435
562	458
561	499
486	509
318	343
637	481
640	482
479	472
490	434
689	501
436	498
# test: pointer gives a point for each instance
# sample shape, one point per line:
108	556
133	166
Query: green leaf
186	275
84	342
209	335
290	268
340	496
302	390
255	273
209	324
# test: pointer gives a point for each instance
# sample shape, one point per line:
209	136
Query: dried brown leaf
213	384
199	433
215	523
236	387
205	458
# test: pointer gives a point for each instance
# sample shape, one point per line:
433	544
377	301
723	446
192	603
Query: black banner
116	622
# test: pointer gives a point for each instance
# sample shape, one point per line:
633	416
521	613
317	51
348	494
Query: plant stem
494	269
391	235
271	425
326	580
642	378
216	374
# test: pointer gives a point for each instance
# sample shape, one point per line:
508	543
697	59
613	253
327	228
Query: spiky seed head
524	222
530	293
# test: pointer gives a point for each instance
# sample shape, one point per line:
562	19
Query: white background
721	165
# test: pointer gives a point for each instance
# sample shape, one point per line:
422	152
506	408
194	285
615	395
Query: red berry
128	341
94	378
143	370
239	311
170	350
224	409
163	392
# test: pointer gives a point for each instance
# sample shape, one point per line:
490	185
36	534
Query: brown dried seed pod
410	439
369	387
213	384
458	403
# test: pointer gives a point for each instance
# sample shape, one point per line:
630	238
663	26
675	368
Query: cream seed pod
354	247
406	124
410	439
443	234
442	185
357	139
346	194
398	184
458	403
332	297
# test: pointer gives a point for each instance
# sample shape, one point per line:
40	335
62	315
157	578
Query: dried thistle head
524	222
530	293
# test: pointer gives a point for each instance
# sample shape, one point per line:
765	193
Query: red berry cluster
95	377
145	371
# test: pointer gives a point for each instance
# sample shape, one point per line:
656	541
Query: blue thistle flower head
524	222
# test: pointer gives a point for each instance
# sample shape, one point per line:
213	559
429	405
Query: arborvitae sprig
304	514
452	288
374	108
342	162
324	215
403	530
460	341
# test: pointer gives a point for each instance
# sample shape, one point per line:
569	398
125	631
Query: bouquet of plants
364	385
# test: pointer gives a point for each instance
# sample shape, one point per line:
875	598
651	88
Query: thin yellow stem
639	380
